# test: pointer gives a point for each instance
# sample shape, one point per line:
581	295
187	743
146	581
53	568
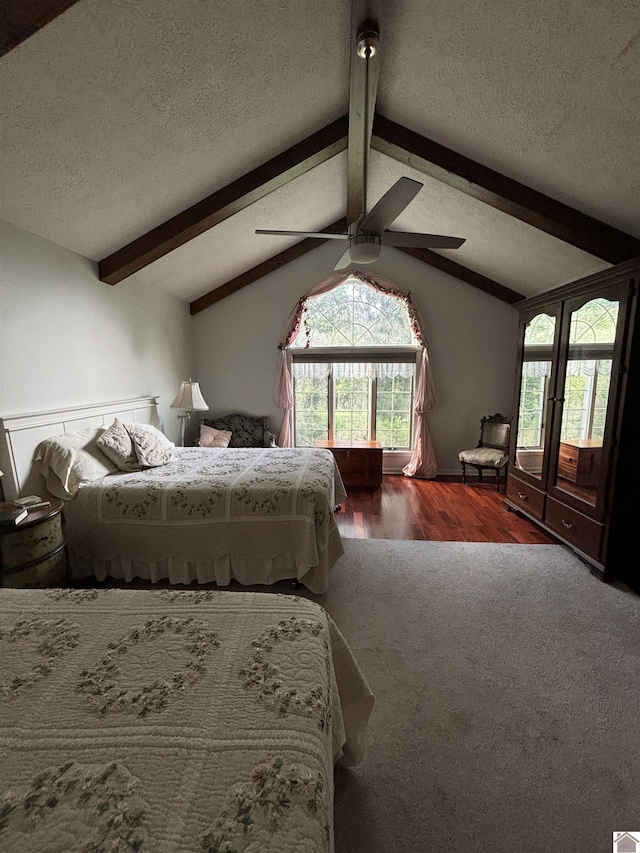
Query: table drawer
530	499
359	466
568	468
351	461
577	529
28	544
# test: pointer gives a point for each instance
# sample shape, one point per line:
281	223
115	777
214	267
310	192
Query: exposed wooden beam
275	173
522	202
488	285
274	263
20	19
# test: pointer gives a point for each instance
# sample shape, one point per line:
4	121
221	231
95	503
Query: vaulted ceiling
155	137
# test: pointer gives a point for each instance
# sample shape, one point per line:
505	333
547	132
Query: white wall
67	338
472	343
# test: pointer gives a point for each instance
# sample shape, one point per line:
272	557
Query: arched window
355	360
354	368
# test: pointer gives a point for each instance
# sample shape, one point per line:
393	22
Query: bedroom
75	191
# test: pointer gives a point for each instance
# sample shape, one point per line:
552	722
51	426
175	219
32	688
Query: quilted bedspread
255	504
171	721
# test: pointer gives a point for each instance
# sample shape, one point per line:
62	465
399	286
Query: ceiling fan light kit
368	231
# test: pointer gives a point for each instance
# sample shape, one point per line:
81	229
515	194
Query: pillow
210	437
162	438
148	448
116	443
69	461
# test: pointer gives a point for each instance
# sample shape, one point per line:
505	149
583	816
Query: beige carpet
508	699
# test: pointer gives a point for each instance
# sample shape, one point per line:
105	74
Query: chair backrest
495	431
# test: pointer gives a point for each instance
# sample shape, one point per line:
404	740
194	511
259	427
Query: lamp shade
190	398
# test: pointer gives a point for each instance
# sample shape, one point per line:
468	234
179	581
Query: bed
256	515
171	721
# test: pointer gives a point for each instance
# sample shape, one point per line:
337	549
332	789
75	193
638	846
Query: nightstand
359	462
33	552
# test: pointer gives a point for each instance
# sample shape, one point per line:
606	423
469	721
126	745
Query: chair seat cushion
488	457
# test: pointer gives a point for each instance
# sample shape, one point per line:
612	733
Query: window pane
393	406
311	420
351	403
355	315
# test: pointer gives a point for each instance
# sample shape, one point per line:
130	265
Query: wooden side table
579	461
33	552
359	462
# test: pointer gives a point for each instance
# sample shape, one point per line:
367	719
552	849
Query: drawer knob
568	524
522	496
348	453
570	458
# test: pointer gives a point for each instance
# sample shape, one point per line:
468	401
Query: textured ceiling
116	116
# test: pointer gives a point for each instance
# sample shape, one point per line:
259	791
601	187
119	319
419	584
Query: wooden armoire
575	440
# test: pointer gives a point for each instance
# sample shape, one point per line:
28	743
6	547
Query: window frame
361	355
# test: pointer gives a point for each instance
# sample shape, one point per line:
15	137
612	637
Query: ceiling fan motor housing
365	248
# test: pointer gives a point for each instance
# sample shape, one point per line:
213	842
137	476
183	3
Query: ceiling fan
368	232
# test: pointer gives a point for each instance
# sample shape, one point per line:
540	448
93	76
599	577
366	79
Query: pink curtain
422	462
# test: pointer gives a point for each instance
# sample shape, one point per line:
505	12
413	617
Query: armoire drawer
530	499
579	530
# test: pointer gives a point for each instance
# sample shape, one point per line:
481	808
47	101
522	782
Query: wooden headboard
21	434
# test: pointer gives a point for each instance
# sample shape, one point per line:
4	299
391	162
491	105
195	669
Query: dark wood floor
406	508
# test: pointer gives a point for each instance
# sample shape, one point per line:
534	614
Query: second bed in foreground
173	722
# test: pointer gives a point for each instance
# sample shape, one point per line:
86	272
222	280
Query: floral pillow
210	437
162	438
149	450
116	444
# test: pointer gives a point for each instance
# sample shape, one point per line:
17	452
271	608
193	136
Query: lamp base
184	419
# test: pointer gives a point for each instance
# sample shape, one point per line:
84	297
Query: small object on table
10	514
29	500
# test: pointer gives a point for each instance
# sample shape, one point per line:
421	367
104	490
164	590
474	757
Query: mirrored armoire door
539	335
574	468
586	399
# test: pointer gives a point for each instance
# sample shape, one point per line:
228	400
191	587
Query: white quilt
167	721
265	508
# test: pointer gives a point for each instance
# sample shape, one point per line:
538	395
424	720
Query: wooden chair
492	451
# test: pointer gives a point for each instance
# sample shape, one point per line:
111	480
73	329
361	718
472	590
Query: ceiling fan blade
421	241
343	261
363	86
321	235
391	205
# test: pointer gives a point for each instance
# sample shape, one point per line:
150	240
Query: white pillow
162	438
69	461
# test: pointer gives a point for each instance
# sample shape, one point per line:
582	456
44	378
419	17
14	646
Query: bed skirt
221	570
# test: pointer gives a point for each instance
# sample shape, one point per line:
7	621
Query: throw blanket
255	504
172	722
